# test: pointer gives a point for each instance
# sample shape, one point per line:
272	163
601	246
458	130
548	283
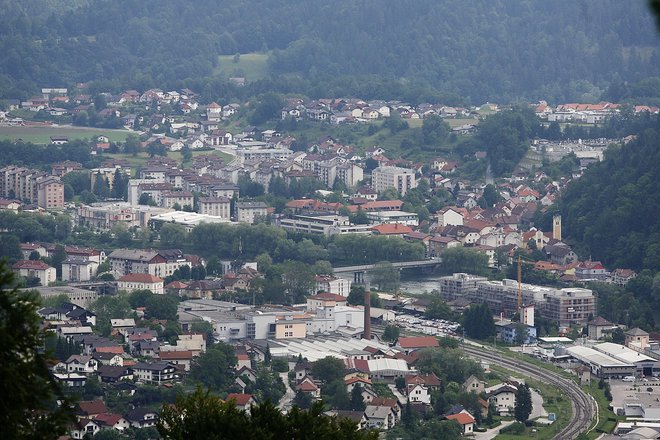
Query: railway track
583	406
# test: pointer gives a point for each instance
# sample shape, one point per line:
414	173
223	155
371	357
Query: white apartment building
215	206
401	179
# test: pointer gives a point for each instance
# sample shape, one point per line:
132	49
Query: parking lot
435	327
644	392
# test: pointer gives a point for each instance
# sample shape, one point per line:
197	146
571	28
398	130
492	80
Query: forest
415	50
611	212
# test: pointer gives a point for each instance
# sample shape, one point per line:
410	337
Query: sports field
40	134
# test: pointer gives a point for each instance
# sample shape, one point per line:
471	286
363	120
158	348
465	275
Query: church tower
556	227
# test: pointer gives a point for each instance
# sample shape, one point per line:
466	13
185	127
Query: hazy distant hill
489	49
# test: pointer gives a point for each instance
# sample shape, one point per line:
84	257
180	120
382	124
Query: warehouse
601	364
644	365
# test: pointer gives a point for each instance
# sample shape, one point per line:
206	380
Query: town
267	268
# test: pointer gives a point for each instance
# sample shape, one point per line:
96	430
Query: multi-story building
249	212
170	199
37	269
566	306
35	186
140	281
570	306
50	192
322	224
161	263
459	285
330	284
400	179
215	206
76	268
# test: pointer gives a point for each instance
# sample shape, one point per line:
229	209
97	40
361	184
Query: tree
523	407
123	237
434	130
328	369
357	401
438	309
386	276
186	153
460	259
268	107
132	145
478	322
618	336
356	295
101	188
107	308
162	307
391	333
119	185
58	257
28	409
173	235
214	368
203	415
146	199
302	400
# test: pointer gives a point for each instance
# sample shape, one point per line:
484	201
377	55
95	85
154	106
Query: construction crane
520	289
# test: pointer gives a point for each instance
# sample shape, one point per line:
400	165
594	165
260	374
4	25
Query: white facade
400	179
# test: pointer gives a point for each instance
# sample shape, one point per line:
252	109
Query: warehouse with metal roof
601	364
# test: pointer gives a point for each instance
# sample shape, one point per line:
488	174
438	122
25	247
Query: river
413	284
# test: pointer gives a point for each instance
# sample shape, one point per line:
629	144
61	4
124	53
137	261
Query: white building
400	179
140	281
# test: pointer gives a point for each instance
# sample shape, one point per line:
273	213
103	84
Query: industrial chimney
367	315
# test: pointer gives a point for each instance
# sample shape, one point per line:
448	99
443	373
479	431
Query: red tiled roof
31	265
418	342
462	418
108	419
92	407
328	297
175	355
392	229
141	278
176	285
240	399
308	386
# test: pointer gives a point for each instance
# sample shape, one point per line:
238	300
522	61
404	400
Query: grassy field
42	134
251	66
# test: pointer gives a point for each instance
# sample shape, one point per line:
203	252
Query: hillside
611	212
499	50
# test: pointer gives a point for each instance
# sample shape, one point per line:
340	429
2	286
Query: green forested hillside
613	211
497	49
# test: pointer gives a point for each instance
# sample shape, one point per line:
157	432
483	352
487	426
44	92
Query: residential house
591	270
112	421
142	417
466	421
474	385
242	401
80	364
76	268
599	328
157	372
503	396
419	387
622	276
84	428
37	269
379	417
183	358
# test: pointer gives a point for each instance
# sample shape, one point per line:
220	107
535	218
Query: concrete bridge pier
358	277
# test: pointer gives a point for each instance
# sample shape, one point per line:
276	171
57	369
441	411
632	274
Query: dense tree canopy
28	408
554	50
610	213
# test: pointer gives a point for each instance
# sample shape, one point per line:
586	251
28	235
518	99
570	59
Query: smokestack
367	315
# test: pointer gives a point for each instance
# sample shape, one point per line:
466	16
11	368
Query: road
584	408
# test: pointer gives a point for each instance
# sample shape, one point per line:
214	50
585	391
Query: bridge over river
359	271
